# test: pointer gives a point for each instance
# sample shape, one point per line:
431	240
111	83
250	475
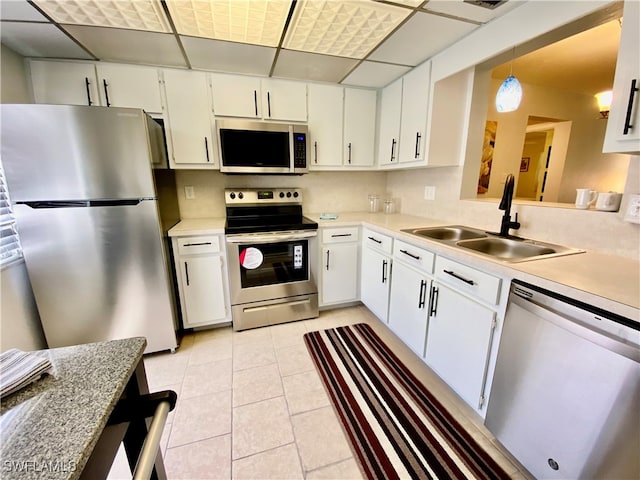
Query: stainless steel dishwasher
565	399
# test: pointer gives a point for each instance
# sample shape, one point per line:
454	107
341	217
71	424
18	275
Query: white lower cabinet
375	272
459	342
339	266
202	280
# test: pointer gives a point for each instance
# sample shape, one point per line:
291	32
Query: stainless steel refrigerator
82	187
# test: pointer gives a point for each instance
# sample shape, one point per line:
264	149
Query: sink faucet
505	204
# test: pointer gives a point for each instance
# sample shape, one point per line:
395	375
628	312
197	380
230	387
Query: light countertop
50	428
605	281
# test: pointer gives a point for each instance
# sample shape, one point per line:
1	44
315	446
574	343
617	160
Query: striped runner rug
396	427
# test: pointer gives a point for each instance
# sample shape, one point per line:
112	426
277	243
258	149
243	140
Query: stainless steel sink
512	250
448	233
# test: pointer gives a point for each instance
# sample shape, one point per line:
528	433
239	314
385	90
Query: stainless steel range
271	247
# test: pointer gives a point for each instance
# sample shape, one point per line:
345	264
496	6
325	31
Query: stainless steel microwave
262	147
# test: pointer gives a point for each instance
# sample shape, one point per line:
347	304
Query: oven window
249	148
273	263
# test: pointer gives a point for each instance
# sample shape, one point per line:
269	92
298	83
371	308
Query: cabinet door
375	281
203	289
623	126
236	96
325	125
64	83
389	133
415	103
190	118
339	272
359	126
284	100
408	306
129	86
458	342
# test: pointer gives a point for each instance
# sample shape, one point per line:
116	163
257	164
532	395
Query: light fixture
604	102
510	92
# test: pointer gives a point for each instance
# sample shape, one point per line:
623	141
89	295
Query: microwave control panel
299	150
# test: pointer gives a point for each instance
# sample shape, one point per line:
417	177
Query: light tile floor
251	405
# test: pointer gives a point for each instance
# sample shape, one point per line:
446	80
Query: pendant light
510	92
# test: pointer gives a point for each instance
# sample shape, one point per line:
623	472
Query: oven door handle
271	238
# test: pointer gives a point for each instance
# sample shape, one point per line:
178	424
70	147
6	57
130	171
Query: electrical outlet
429	193
189	192
632	214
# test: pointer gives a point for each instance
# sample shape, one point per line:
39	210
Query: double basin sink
510	249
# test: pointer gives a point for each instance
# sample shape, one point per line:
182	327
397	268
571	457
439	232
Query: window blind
9	244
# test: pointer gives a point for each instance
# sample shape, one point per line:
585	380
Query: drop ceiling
353	42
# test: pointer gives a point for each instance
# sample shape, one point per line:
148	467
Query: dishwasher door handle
600	338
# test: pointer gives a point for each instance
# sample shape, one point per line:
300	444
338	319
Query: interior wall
20	325
323	192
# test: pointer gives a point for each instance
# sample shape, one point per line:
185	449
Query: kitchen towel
19	369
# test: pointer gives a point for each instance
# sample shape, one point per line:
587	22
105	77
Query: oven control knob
295	194
232	195
240	195
288	194
281	194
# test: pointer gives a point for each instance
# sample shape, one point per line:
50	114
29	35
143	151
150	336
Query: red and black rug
396	427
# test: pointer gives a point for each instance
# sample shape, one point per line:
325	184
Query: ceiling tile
375	75
228	56
40	40
129	46
312	66
421	37
20	10
258	22
462	9
345	29
145	15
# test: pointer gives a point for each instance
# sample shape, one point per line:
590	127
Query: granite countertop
50	428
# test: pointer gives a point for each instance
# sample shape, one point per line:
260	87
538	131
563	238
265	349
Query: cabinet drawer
412	255
340	235
468	279
376	240
200	244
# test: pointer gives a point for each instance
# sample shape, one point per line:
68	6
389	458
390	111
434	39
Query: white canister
608	201
585	197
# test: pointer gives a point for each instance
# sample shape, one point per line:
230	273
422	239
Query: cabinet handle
328	259
206	147
459	277
269	103
106	91
433	301
418	137
255	101
336	235
421	297
627	119
199	244
349	152
375	240
315	151
186	272
393	147
384	271
410	254
87	83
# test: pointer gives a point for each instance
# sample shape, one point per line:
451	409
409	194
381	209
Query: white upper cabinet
252	97
236	96
623	127
129	86
359	127
190	120
325	125
284	100
389	127
64	83
415	105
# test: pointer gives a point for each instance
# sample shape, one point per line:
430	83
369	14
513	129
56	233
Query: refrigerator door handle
81	203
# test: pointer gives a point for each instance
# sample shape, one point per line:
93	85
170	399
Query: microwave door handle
291	151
